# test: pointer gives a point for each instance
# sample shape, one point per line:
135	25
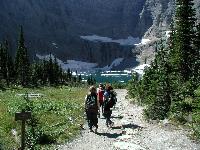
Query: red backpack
100	94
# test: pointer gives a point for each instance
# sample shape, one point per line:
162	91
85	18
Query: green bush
119	85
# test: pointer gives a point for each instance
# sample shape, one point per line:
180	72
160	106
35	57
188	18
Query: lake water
109	76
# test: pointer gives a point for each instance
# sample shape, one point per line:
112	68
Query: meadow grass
57	116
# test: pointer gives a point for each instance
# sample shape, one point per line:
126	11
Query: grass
56	116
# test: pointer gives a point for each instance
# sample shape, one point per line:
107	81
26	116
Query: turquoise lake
109	76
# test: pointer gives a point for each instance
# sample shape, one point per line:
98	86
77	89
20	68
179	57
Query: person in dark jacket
107	109
91	108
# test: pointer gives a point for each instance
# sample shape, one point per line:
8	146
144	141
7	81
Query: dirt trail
131	132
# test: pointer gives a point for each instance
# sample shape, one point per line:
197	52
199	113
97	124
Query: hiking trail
132	132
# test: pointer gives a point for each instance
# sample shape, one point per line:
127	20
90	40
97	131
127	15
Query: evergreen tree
56	71
89	81
196	77
51	78
35	74
22	64
3	61
61	75
1	64
79	78
69	74
161	102
6	65
185	54
44	75
10	73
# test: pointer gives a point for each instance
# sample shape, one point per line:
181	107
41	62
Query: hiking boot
111	124
95	131
107	124
91	130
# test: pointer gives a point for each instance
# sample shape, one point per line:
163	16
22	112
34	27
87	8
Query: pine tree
89	82
79	78
69	74
1	64
44	70
51	77
22	64
35	73
196	70
61	75
184	50
10	73
162	102
6	65
56	71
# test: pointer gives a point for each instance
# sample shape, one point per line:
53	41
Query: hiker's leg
102	108
88	119
95	120
107	121
109	116
90	124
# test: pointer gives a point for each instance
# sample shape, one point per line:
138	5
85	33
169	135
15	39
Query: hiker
113	96
91	108
100	96
109	102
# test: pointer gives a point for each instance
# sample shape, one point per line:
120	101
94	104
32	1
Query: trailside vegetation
170	87
56	116
27	73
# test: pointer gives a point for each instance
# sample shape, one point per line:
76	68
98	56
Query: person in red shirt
100	96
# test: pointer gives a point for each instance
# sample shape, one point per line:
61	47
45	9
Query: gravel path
131	132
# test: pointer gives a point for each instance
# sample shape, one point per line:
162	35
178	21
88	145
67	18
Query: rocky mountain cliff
57	26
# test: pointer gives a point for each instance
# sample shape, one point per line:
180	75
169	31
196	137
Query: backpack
91	102
111	101
100	94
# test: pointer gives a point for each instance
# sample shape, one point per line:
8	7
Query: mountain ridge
57	26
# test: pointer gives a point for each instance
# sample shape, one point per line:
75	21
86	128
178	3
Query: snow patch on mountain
71	64
129	41
80	65
115	63
144	42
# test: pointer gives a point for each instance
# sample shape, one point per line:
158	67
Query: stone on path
127	146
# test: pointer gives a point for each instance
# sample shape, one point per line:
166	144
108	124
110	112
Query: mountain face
56	27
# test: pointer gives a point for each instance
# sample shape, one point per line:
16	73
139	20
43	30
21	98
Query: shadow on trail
131	126
116	117
110	135
116	127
